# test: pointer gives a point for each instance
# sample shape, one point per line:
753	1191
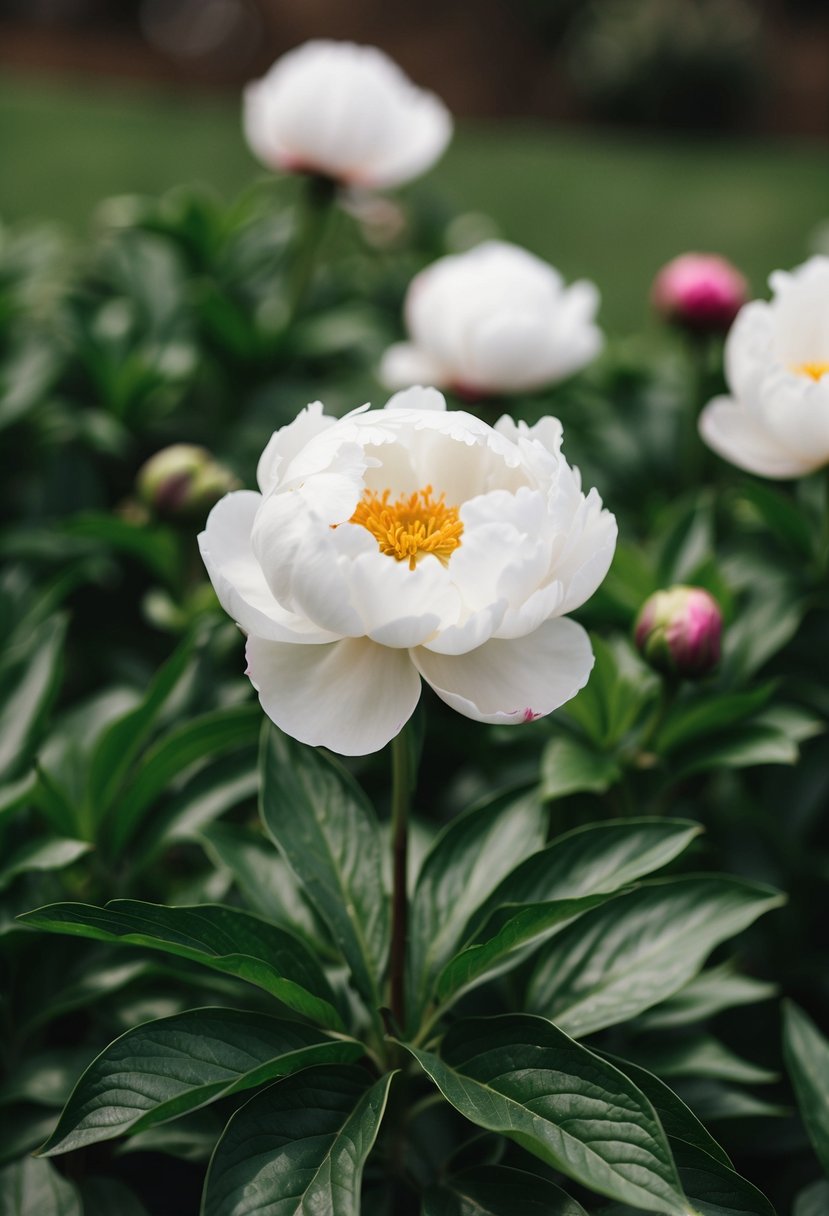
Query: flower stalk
313	212
402	777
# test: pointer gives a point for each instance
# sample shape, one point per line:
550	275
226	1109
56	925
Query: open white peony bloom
403	543
494	320
347	112
776	422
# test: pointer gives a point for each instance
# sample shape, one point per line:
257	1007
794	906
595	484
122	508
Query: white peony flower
776	422
347	112
403	543
494	320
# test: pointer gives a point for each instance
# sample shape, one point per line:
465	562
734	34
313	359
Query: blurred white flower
776	421
347	112
493	320
404	543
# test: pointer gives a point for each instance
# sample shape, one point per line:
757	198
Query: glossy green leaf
45	1078
706	713
716	1101
639	948
53	853
698	1055
596	859
13	794
619	688
207	736
122	740
569	766
806	1052
771	737
781	515
687	540
716	1190
813	1200
677	1119
326	830
262	877
299	1146
504	940
176	1064
28	701
497	1190
35	1188
523	1077
706	994
465	860
224	939
713	1188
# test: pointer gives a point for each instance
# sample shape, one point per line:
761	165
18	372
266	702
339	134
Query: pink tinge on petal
530	715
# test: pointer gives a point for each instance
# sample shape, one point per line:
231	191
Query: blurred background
605	135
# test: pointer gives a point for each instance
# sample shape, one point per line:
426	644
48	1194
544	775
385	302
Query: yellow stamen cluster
815	371
411	526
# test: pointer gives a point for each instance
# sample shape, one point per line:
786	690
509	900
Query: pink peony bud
678	631
183	481
702	292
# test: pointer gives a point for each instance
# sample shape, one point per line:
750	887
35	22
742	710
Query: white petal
512	680
733	433
587	556
351	696
288	441
417	398
237	577
794	410
428	129
405	364
398	606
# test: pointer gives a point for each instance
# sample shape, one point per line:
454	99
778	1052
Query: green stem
401	788
313	211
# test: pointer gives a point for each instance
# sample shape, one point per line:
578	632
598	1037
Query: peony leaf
205	737
813	1200
497	1190
638	949
678	1120
28	701
325	829
505	940
523	1077
466	859
51	853
708	993
599	858
30	1186
299	1146
173	1065
223	939
569	766
806	1052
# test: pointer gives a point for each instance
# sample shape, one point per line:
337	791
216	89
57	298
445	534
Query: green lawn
609	206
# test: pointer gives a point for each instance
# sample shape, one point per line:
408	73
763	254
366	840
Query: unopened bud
678	631
183	482
702	292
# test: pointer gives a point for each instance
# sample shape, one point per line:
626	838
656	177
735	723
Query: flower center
410	527
813	370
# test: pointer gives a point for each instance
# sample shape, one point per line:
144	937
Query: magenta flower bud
702	292
183	482
678	631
